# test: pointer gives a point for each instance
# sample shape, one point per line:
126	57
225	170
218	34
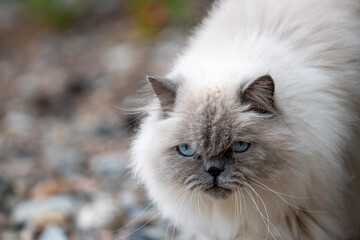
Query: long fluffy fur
311	48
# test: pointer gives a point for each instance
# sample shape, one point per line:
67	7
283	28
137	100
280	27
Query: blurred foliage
58	13
149	16
152	15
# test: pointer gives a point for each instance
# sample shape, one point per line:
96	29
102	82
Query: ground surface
63	134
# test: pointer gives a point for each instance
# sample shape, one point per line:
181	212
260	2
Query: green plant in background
59	13
150	16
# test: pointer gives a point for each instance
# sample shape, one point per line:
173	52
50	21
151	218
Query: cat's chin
218	193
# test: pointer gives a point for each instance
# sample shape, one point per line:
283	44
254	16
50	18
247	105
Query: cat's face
217	143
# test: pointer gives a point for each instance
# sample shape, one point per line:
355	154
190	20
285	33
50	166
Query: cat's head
215	139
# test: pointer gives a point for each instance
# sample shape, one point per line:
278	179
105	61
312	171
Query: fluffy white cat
254	133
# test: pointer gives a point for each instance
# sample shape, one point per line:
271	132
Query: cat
254	132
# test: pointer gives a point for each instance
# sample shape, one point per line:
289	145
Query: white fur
311	48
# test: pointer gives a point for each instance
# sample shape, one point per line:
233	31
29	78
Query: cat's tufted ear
260	95
165	90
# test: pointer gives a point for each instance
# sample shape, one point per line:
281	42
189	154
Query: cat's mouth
218	192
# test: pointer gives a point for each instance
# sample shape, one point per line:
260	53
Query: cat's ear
260	95
165	91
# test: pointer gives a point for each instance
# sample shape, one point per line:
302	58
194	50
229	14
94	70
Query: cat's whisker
264	218
261	214
246	213
197	207
199	211
242	207
190	178
137	229
191	202
287	202
263	186
263	203
206	206
192	186
236	215
175	197
177	215
141	213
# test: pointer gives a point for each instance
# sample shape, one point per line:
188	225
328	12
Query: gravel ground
63	135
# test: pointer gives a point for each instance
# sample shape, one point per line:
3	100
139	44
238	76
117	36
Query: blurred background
66	67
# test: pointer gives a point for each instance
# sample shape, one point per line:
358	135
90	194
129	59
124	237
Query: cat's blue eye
240	147
186	150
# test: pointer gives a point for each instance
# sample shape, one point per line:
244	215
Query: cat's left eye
186	150
240	147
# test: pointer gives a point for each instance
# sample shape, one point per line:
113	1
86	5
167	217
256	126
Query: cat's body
282	78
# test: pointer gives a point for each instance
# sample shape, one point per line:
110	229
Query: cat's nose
214	171
214	166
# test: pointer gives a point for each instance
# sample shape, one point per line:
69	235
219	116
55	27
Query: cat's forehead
212	120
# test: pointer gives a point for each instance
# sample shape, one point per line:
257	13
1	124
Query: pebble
19	123
28	211
52	232
44	81
66	160
9	14
50	187
109	164
121	58
99	213
8	235
62	137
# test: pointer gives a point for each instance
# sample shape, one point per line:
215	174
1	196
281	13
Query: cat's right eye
240	147
186	150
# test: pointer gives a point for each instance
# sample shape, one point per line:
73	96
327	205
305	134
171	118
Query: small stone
44	81
9	15
110	165
66	160
50	187
3	221
131	201
26	212
99	213
52	232
19	123
53	217
8	235
121	58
